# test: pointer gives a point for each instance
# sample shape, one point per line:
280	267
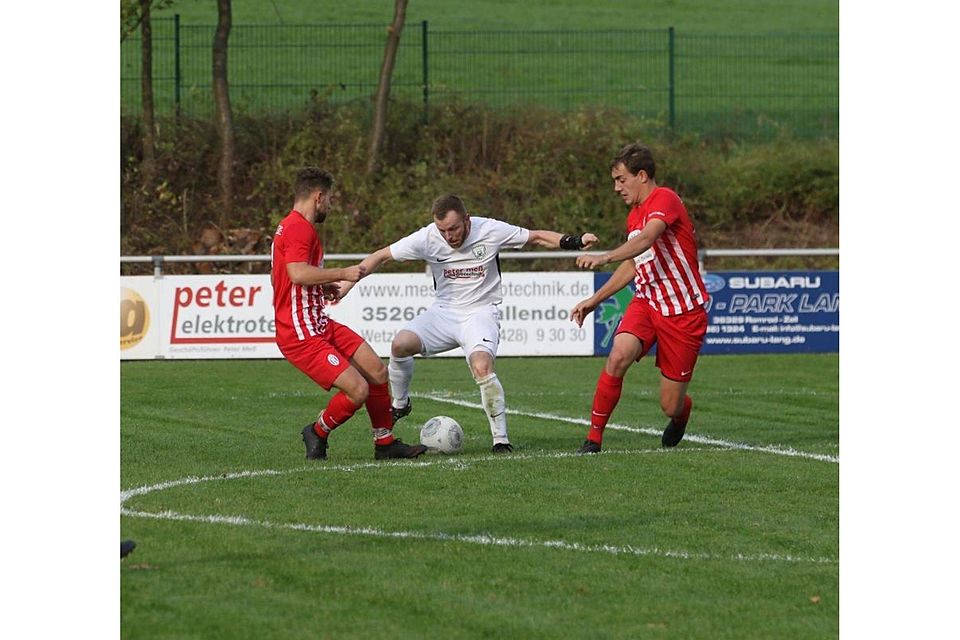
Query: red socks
381	419
605	399
338	411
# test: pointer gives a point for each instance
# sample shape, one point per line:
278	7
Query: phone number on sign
392	314
574	334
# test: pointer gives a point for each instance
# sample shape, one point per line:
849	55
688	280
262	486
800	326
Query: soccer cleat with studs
401	412
397	449
502	447
588	447
316	446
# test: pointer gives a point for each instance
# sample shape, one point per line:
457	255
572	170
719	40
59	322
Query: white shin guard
494	404
400	371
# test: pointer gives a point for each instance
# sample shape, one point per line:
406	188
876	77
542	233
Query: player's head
314	186
452	219
633	171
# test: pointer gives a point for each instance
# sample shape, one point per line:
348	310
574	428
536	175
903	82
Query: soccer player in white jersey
462	252
668	310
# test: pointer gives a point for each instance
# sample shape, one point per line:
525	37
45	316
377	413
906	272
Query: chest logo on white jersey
479	251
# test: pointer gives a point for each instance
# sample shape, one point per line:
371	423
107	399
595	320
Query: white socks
495	406
400	371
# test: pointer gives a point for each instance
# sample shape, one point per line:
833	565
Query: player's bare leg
405	345
352	393
492	397
676	404
625	351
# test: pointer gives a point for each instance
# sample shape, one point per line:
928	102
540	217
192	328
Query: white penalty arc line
478	539
690	437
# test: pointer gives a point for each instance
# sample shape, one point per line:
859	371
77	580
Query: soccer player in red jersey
330	353
660	255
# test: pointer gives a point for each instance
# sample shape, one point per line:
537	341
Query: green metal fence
739	85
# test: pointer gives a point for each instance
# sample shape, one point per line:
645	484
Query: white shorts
442	328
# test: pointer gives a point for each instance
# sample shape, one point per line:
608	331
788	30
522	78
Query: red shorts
326	356
678	338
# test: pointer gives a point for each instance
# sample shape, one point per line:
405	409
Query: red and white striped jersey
298	309
668	273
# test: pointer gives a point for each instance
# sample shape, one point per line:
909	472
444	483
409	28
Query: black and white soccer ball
443	434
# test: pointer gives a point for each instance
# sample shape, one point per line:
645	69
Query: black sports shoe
589	446
502	447
316	446
673	434
397	449
401	412
126	546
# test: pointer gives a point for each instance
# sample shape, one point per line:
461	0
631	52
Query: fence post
672	90
176	65
426	86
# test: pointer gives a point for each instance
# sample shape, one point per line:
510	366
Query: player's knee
404	345
618	363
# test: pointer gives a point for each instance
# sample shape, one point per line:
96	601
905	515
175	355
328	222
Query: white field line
481	539
689	437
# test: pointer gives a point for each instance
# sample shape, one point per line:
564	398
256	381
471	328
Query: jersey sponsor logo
479	251
470	273
334	360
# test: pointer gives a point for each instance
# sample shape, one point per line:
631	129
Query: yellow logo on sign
134	318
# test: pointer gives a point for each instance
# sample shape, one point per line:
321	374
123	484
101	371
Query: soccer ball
442	434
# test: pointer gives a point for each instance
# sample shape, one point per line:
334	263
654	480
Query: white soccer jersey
468	276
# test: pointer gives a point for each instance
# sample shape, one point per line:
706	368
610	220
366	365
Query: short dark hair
309	179
636	157
445	203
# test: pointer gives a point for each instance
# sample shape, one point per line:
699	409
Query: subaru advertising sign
751	312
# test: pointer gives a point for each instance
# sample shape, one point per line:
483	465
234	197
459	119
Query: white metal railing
159	261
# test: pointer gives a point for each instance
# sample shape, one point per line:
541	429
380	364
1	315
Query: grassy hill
731	16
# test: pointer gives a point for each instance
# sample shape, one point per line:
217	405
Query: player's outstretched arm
554	240
369	264
304	274
629	249
620	278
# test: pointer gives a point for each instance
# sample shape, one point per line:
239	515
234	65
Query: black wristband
571	243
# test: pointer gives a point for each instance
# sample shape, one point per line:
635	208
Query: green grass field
733	534
768	64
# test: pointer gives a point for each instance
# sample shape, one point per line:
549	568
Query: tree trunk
221	94
148	166
383	89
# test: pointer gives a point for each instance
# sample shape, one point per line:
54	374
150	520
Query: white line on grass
480	539
690	437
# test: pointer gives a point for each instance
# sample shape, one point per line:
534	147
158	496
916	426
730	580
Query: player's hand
591	262
588	240
354	273
331	292
345	288
579	313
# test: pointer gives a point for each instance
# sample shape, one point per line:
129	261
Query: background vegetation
530	165
533	167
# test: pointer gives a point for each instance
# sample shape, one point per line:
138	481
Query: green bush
531	166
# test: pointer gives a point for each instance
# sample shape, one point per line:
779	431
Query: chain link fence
734	85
